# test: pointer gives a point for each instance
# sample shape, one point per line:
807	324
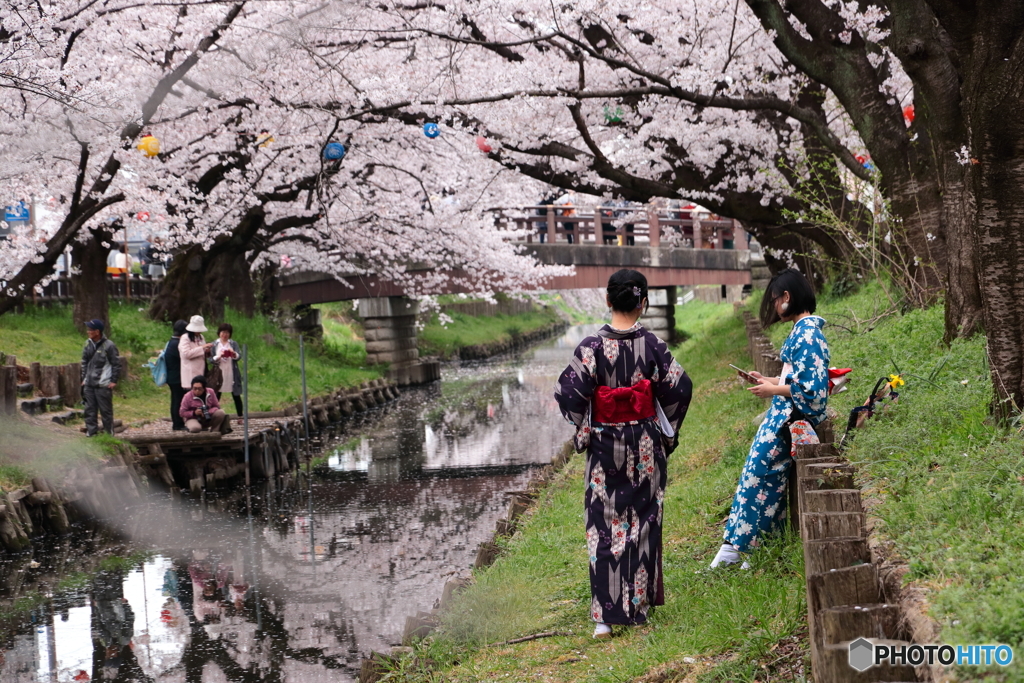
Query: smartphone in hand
744	374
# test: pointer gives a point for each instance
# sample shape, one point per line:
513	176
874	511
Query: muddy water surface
300	579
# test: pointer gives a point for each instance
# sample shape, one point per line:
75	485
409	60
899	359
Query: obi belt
624	404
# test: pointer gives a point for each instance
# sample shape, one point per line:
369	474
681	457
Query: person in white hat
193	350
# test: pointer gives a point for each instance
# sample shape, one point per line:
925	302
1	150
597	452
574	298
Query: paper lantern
908	114
149	145
481	144
142	216
613	115
265	139
334	151
431	130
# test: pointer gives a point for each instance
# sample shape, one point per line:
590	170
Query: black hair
194	336
179	328
198	378
801	296
226	327
627	290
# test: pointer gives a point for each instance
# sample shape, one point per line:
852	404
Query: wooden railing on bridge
627	226
61	291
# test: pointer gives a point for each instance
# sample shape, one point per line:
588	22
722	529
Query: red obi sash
625	404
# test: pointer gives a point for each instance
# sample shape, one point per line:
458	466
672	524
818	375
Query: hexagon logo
862	654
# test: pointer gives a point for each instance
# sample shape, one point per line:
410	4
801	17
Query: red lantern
481	144
908	114
142	216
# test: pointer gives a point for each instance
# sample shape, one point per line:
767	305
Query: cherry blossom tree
241	171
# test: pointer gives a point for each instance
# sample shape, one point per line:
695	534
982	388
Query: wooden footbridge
200	461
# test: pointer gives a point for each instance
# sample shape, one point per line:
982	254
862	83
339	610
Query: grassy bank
728	626
464	330
947	483
46	335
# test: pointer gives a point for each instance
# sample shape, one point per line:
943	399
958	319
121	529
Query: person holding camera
226	353
201	410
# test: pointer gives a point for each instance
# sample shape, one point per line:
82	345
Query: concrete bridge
671	247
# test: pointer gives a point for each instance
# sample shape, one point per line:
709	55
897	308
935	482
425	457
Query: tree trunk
89	281
996	85
963	297
203	283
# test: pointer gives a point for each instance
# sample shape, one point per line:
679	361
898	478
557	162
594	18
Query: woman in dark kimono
627	397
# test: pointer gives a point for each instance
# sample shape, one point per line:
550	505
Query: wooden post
698	239
49	380
654	227
739	236
34	371
8	390
598	227
576	220
552	234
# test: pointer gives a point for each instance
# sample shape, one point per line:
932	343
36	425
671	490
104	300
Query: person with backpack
172	360
101	368
799	398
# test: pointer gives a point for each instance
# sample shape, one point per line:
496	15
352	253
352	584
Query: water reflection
299	580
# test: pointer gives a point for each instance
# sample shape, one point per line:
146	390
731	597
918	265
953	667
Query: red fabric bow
624	404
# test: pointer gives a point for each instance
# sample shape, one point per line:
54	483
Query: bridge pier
661	312
390	329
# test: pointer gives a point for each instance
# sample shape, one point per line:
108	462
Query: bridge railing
627	226
61	291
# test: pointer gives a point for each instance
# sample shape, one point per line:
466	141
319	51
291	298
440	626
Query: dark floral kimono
626	467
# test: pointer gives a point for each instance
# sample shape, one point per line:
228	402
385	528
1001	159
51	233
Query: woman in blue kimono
627	397
800	392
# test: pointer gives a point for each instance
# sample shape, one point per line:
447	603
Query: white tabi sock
727	554
602	631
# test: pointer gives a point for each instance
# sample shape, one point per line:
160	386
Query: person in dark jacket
101	368
173	360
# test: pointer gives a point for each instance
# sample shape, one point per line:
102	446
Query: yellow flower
896	381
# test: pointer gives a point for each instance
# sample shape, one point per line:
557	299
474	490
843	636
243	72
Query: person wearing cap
201	410
101	368
193	350
172	357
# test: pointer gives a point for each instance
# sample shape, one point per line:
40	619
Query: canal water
298	580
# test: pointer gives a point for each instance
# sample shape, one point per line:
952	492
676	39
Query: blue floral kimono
761	494
626	467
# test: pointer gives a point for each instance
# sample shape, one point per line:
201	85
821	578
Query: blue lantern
334	151
431	130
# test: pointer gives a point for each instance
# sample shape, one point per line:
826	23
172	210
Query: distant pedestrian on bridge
627	397
799	393
101	368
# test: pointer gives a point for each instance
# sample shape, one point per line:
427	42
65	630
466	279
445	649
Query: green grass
948	483
466	330
28	451
732	624
569	312
47	335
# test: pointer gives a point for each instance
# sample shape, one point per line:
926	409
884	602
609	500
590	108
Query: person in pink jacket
193	350
201	410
